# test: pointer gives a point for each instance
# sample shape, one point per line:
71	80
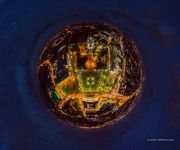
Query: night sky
25	121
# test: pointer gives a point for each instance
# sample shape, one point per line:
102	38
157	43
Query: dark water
25	27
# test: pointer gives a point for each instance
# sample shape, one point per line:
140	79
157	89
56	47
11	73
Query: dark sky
25	27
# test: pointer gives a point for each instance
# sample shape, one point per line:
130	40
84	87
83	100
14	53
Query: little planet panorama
90	74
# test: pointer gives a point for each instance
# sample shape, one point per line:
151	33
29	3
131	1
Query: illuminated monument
90	74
